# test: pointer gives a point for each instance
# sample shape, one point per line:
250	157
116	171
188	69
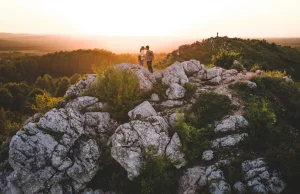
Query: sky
172	18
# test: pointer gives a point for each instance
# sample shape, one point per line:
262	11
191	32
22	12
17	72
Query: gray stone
288	80
191	67
216	80
174	74
228	141
82	85
173	152
213	72
175	92
188	182
155	98
239	188
231	123
251	164
219	187
251	84
130	139
172	103
142	111
276	185
229	73
173	118
208	155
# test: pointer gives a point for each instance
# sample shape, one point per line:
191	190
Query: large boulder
131	140
175	91
174	74
145	78
142	111
231	123
59	148
82	85
173	152
260	179
191	67
213	73
228	141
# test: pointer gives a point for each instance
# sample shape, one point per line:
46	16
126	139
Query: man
149	58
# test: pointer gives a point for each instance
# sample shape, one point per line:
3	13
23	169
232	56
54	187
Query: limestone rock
173	118
219	187
145	78
154	98
208	155
228	141
239	188
130	139
174	74
231	123
82	85
213	72
229	73
188	182
288	80
191	67
142	111
172	103
174	153
175	91
251	84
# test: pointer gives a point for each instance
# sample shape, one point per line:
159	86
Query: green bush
120	89
158	175
194	141
208	108
237	66
190	90
225	58
273	111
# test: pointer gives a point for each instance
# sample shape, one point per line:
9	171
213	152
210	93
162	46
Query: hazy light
188	18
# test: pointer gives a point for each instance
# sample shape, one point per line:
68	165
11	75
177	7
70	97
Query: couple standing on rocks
148	56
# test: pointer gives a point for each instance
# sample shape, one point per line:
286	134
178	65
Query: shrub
237	66
120	89
45	102
208	108
278	74
190	90
9	124
194	141
158	175
225	58
255	67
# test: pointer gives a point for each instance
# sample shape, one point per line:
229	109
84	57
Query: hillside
251	52
185	129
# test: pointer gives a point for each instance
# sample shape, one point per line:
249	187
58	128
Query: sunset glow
189	18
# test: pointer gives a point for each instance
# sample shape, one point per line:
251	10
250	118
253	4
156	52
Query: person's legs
149	64
141	62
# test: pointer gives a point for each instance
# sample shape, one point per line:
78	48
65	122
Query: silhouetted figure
149	58
217	34
142	56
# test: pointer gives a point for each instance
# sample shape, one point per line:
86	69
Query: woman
141	56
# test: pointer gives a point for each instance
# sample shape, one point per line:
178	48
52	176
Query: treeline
58	64
269	56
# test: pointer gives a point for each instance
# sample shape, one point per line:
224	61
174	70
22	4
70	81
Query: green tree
62	87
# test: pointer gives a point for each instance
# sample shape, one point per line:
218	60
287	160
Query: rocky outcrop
208	155
175	91
59	147
142	111
145	78
259	179
173	152
251	84
82	85
174	74
231	123
228	141
130	140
